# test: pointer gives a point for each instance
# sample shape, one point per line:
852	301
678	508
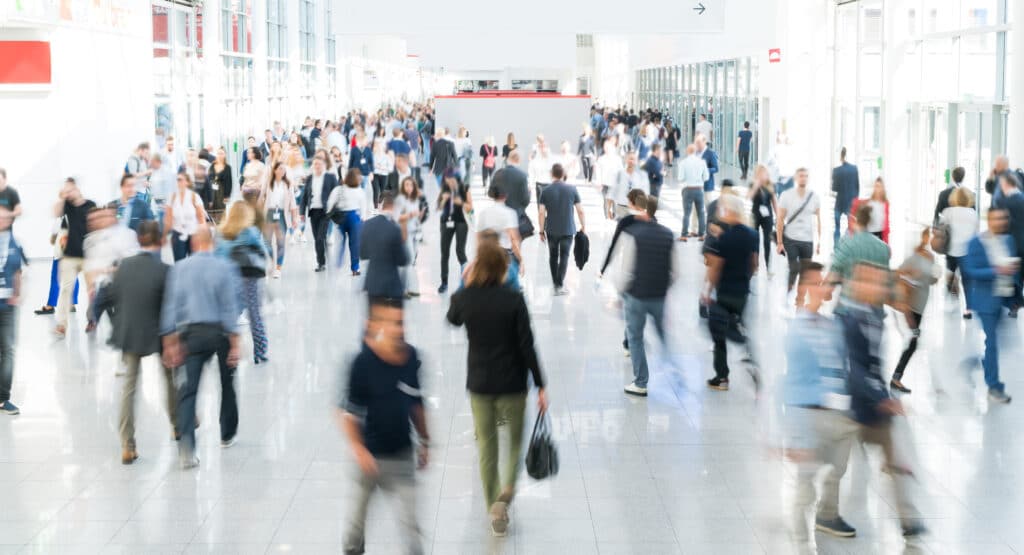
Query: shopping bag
541	457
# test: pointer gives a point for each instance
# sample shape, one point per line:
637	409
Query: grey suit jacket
515	184
137	292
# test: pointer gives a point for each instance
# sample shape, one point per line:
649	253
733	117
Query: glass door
933	165
974	149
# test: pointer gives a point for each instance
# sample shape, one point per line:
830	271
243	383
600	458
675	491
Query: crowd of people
377	178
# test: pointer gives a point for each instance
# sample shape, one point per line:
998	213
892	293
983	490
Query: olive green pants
488	410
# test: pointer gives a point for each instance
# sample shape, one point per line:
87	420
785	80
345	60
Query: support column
1015	78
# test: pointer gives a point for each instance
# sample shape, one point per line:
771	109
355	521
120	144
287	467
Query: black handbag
541	457
250	260
525	226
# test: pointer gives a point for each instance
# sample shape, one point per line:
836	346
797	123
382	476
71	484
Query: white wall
100	107
493	48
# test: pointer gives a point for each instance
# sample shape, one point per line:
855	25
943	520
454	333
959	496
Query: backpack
940	238
250	260
489	159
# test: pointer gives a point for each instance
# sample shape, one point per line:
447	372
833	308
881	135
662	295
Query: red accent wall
24	62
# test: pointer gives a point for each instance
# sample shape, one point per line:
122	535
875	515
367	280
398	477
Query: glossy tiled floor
687	470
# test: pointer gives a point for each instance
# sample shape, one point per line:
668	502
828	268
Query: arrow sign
700	8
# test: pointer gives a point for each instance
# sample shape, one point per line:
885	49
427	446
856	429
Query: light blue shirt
201	289
693	172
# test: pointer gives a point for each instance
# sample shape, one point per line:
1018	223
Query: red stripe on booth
24	62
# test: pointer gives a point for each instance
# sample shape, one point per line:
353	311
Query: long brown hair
885	195
240	216
354	178
415	188
490	267
273	174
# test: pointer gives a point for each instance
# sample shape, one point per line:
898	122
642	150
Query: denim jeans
180	246
8	331
559	249
350	224
408	272
51	300
202	342
693	197
838	231
635	312
990	324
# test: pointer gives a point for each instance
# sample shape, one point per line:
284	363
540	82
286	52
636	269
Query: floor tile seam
295	495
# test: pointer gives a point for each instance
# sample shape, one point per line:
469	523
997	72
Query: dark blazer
223	180
711	159
330	182
137	293
141	212
382	245
1014	205
943	202
846	185
442	157
393	184
981	276
515	183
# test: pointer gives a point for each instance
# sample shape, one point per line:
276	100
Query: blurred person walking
315	194
453	203
609	166
183	213
383	247
58	238
382	397
692	174
631	177
797	226
500	358
503	221
818	429
962	221
408	212
845	190
916	276
11	259
199	320
241	243
347	207
558	227
763	208
278	200
137	293
879	203
74	209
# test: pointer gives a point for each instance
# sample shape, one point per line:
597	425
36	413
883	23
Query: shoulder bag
250	260
541	457
793	216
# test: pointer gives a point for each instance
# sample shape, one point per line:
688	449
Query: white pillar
1015	76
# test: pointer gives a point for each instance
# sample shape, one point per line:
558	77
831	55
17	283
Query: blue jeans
8	329
180	246
51	300
990	324
839	212
693	197
636	311
350	225
202	342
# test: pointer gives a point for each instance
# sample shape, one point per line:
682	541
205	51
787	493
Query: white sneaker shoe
277	274
633	389
243	321
303	238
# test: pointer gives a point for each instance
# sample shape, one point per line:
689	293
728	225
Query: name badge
276	215
764	211
215	186
450	224
362	161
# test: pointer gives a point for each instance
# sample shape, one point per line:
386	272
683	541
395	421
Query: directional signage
536	17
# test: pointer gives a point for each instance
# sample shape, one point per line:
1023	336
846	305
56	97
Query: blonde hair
960	197
240	216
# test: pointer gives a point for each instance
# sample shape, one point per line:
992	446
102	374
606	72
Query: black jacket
943	202
862	331
515	183
305	202
393	185
501	348
442	157
846	185
137	294
383	246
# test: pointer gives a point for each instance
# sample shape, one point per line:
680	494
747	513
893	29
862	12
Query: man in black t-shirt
9	198
75	209
382	399
730	267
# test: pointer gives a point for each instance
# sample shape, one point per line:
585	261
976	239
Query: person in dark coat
384	247
1012	200
846	187
137	291
515	183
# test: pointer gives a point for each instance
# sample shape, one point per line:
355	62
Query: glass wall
177	75
277	58
724	91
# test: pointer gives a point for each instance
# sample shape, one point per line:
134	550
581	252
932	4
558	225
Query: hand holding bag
541	457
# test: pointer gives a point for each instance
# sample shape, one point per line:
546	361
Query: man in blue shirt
655	171
846	188
711	159
382	398
555	206
383	246
10	293
818	428
743	148
199	319
131	210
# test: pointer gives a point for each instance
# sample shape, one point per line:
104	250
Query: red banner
24	62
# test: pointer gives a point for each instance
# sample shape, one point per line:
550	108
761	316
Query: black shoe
320	268
914	530
443	289
837	527
45	310
968	315
896	384
721	384
1013	313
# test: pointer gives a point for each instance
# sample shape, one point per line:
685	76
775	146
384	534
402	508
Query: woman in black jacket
501	355
220	181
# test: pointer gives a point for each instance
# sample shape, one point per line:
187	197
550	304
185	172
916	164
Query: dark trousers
202	342
558	257
744	156
55	285
767	228
838	230
724	323
486	174
796	252
656	189
588	169
8	331
459	234
319	220
952	264
379	181
990	363
180	245
914	322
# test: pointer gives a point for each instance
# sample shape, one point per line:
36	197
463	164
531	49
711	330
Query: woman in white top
297	177
962	220
464	154
182	215
254	174
383	163
347	207
540	170
407	208
609	166
282	213
569	161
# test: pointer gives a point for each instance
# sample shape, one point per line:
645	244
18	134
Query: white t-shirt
499	218
963	225
877	223
704	128
275	196
184	212
800	228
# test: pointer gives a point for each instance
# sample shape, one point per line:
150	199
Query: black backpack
251	261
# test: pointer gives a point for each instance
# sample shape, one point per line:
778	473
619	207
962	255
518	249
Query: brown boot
128	456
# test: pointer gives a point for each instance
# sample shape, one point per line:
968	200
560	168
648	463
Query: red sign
24	62
774	55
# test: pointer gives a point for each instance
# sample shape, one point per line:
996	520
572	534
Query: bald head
513	157
202	239
1001	164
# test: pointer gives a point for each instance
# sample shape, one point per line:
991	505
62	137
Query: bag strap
807	200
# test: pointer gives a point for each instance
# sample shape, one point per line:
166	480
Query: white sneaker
625	351
303	238
330	240
243	321
277	274
633	389
293	239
